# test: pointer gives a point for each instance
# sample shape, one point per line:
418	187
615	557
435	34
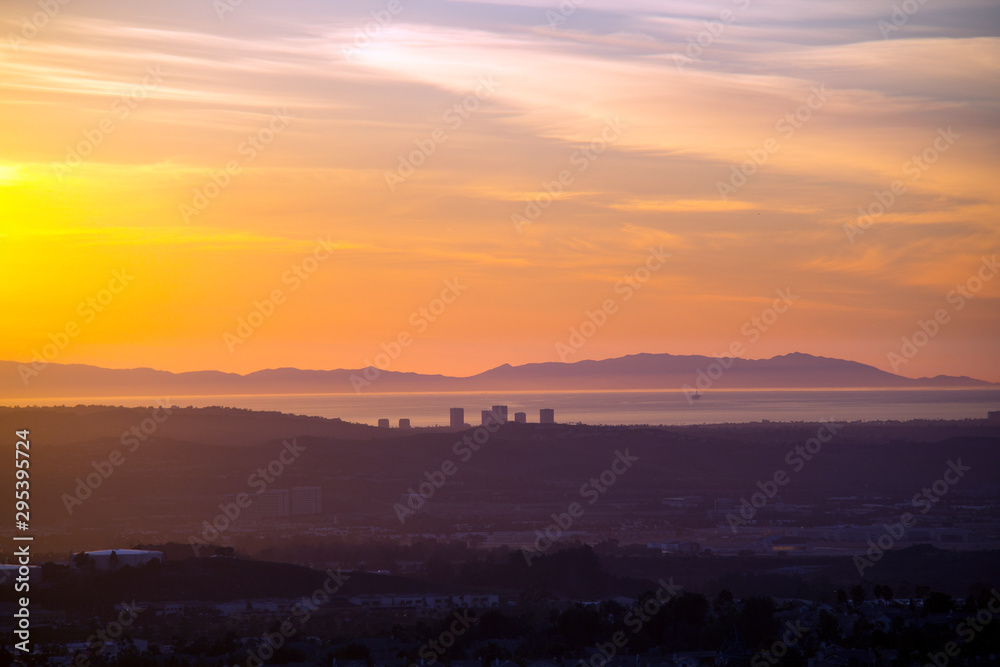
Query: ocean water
607	407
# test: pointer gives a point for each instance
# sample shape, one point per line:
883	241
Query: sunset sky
121	120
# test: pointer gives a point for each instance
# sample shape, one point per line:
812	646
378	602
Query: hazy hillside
178	477
215	426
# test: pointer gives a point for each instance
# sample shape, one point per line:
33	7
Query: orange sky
116	118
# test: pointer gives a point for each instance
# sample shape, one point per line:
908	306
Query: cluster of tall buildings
498	413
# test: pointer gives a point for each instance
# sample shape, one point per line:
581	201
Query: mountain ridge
640	371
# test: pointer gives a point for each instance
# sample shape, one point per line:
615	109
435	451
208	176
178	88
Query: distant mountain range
637	371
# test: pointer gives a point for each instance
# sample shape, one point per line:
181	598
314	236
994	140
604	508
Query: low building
428	602
383	423
173	609
476	601
682	502
676	547
520	418
404	423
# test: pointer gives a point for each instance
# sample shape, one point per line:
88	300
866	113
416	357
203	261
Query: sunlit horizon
331	172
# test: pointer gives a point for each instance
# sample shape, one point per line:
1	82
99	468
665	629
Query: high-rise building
307	500
501	413
404	423
546	416
383	423
520	417
489	417
458	417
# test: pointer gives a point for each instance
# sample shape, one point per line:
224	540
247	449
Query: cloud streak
689	120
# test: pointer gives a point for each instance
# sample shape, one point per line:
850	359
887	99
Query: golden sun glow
535	161
9	174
